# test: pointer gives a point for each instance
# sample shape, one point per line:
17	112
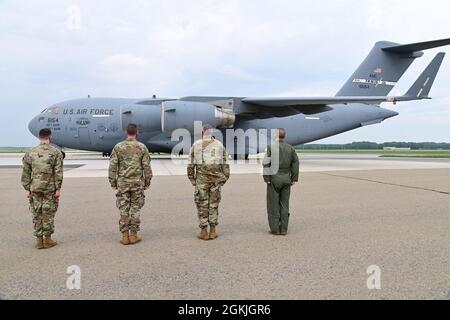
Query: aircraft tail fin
384	66
421	88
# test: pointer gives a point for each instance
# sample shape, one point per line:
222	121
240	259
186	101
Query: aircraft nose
32	126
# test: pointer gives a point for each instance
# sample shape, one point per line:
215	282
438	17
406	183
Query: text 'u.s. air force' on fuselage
97	124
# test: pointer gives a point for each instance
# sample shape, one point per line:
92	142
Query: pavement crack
388	183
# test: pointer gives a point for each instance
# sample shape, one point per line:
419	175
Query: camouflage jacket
208	161
281	159
42	169
129	167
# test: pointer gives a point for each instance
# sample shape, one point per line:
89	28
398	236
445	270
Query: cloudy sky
58	50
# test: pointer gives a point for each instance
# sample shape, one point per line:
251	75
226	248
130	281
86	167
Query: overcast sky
58	50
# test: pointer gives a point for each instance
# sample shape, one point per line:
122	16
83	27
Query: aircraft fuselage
97	124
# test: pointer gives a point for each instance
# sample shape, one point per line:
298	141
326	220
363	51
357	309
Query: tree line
365	145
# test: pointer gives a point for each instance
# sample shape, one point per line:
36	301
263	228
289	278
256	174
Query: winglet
421	88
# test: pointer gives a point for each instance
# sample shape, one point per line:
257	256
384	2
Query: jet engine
183	114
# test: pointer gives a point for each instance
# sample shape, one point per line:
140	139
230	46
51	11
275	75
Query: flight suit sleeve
266	165
295	166
225	165
148	173
58	170
113	168
191	167
26	172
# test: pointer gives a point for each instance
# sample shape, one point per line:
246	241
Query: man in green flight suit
280	172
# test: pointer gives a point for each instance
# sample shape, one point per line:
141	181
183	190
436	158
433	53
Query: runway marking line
387	183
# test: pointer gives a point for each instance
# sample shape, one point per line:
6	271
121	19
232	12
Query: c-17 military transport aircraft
97	124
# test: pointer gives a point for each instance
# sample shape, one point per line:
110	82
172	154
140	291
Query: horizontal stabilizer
421	88
414	47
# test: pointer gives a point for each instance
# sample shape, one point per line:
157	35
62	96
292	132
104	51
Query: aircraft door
84	137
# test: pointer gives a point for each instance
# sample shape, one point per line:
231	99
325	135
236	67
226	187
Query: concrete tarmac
97	167
342	222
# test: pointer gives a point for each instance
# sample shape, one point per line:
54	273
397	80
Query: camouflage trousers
207	198
130	204
43	207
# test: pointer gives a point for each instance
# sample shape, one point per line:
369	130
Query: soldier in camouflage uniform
130	174
281	170
42	177
208	171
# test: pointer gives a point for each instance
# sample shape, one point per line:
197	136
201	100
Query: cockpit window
53	110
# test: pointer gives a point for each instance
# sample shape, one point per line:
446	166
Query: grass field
386	154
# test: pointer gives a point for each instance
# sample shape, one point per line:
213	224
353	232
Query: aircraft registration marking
375	82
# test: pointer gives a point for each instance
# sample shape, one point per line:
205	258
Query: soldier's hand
57	194
29	194
293	183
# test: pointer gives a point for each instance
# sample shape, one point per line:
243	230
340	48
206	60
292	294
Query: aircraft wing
321	101
283	107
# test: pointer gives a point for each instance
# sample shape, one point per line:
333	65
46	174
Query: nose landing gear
106	154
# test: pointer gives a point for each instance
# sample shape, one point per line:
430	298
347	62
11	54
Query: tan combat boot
48	242
39	243
212	233
125	238
203	235
134	238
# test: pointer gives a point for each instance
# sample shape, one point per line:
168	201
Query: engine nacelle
145	117
183	114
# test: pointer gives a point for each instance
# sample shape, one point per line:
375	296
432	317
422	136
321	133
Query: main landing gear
240	157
